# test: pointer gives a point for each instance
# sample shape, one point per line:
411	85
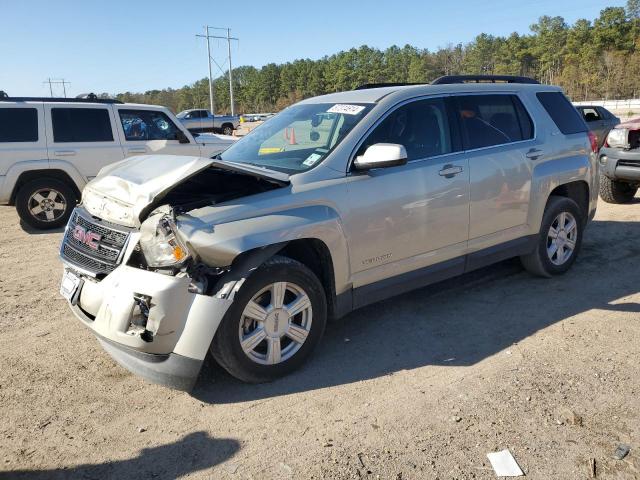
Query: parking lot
420	386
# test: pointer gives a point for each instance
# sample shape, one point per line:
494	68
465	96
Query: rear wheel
276	320
227	129
45	203
559	240
613	191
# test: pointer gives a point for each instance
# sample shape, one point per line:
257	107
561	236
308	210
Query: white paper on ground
504	464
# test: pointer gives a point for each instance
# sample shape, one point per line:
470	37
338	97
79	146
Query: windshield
298	138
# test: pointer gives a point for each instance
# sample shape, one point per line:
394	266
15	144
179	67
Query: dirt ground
422	386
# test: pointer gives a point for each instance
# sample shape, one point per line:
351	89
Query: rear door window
591	115
564	115
18	125
489	120
421	126
143	125
81	125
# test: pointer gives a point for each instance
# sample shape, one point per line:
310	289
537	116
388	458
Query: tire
612	191
559	214
46	203
257	365
227	129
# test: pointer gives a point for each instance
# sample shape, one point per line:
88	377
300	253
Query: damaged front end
133	277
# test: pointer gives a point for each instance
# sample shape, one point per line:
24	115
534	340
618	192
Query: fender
549	175
220	245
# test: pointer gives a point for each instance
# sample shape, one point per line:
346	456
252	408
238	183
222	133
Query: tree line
597	59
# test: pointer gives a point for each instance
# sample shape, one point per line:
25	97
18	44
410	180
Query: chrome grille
104	257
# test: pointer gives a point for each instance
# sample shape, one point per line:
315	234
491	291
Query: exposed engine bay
215	185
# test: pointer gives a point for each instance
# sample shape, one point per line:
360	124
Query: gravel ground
420	386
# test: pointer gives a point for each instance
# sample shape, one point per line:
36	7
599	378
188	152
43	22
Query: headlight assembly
160	244
618	138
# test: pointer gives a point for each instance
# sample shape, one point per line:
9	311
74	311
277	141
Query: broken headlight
160	244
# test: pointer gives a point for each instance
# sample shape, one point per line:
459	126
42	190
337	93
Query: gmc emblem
89	238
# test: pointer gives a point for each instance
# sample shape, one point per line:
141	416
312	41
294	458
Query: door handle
450	171
138	150
64	153
534	154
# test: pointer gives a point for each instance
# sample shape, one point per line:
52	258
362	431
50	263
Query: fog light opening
140	316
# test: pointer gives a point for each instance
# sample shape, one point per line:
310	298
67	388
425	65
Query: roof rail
448	79
367	86
89	98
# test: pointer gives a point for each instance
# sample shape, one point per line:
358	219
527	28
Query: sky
136	45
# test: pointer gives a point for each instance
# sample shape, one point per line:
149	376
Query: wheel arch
311	252
577	191
29	175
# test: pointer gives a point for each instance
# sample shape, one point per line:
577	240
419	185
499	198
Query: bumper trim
172	370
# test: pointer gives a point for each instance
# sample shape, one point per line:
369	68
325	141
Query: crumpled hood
124	191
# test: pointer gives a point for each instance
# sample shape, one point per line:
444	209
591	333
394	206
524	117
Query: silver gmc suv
337	202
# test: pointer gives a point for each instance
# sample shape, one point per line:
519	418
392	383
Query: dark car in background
599	119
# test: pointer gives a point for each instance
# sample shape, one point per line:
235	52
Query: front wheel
613	191
227	130
277	318
559	239
45	203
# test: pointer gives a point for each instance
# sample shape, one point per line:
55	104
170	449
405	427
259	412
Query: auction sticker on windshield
346	109
312	159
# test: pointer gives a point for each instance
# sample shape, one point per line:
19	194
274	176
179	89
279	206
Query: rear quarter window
18	125
564	115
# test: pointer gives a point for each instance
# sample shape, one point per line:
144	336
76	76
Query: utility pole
228	38
230	70
207	36
58	81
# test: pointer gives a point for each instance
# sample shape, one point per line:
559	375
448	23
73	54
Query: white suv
50	148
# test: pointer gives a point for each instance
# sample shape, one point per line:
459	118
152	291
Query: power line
228	38
57	81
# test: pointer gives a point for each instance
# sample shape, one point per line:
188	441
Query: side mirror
381	155
182	137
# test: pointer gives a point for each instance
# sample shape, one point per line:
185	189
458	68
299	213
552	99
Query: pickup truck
620	163
337	202
198	120
51	147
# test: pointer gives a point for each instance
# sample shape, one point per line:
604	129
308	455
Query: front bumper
179	328
620	164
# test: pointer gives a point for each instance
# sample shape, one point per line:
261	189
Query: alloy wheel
275	323
561	238
47	205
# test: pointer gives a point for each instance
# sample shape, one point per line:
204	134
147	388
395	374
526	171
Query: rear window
565	115
18	125
81	125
